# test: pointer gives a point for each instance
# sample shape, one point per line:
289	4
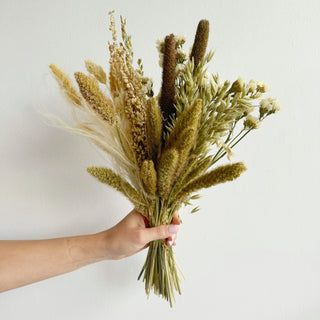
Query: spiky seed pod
221	174
179	183
166	171
109	177
188	118
149	177
90	90
167	99
96	70
184	144
64	82
154	129
200	42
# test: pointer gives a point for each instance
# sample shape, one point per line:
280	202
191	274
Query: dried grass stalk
188	118
149	177
167	99
166	171
127	92
154	129
221	174
91	92
109	177
64	82
200	42
96	70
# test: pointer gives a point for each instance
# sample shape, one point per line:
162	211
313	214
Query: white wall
253	251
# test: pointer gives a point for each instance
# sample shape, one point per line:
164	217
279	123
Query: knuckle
139	236
162	232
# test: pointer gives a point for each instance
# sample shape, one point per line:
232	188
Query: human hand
132	234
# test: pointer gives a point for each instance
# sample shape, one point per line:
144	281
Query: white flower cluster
257	85
269	105
251	122
181	54
147	85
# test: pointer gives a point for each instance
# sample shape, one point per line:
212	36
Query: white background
253	251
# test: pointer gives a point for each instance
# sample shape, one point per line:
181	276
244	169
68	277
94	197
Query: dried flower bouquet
161	147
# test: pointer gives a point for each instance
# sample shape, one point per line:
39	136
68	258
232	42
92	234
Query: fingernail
172	228
170	243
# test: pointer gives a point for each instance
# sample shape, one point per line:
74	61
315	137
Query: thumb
160	232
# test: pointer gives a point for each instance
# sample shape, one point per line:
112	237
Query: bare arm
26	261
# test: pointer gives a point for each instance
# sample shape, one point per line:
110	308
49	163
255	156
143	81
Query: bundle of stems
160	147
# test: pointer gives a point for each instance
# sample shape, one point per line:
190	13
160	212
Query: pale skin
23	262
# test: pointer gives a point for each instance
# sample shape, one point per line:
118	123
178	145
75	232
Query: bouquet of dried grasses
161	146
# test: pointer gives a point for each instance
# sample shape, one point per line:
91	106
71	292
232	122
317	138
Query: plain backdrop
253	250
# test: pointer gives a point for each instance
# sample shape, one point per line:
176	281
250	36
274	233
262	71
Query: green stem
233	144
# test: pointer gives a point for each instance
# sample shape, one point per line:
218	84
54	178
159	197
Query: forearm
26	261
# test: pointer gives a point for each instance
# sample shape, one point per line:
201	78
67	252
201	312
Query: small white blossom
251	122
252	85
160	45
180	67
238	85
270	105
262	86
206	80
181	39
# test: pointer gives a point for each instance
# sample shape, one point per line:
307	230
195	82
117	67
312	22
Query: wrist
86	249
